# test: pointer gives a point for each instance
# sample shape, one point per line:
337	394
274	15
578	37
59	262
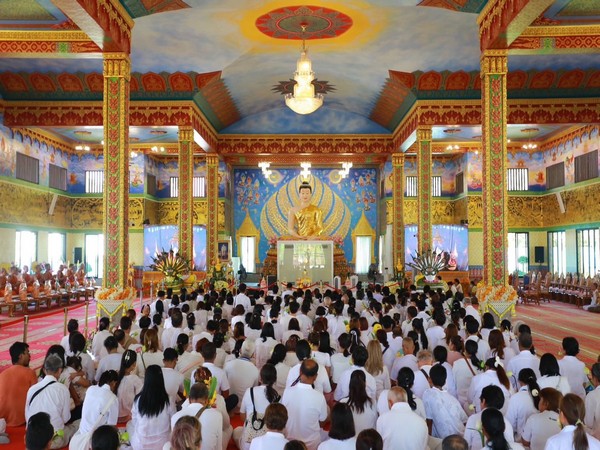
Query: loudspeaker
561	204
77	255
539	255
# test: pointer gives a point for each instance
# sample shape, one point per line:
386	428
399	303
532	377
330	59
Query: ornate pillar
494	67
186	192
212	215
117	72
424	187
398	251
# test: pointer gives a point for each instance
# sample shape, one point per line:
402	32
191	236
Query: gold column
212	216
494	67
117	73
398	251
424	187
186	192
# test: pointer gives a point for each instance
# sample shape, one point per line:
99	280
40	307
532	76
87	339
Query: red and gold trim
212	197
424	137
186	186
117	72
398	208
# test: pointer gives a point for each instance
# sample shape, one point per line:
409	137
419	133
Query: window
588	252
28	168
518	252
56	249
557	256
151	184
436	186
459	183
94	181
57	177
174	187
517	179
411	186
363	254
586	166
25	248
94	255
247	244
199	187
555	175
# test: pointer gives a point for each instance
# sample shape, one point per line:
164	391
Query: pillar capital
424	133
398	159
117	65
186	134
494	61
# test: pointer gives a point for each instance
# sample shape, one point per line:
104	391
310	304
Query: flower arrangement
429	263
220	275
172	265
338	240
504	294
115	293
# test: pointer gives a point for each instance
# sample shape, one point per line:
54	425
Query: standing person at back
242	298
14	384
307	408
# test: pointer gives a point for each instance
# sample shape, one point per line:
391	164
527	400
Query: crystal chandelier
304	100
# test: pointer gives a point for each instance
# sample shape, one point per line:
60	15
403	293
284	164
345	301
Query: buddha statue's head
305	192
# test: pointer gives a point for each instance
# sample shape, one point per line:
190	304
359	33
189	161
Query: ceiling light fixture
452	147
304	100
529	146
156	149
305	173
346	166
81	147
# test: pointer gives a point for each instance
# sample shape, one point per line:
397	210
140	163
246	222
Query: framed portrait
223	250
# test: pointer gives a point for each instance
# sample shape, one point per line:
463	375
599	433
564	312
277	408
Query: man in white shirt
592	404
525	359
209	353
169	335
307	408
241	372
444	412
472	328
572	368
411	313
276	418
471	310
243	299
408	360
52	397
359	356
173	378
288	291
436	334
393	425
211	420
421	383
112	361
303	351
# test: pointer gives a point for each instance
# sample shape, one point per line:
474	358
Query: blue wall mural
343	201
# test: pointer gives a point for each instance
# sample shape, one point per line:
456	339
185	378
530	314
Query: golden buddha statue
306	219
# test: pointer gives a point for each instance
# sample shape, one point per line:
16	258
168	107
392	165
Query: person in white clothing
471	310
424	361
275	420
364	410
100	336
100	407
241	373
436	334
211	420
491	397
545	424
592	403
52	397
169	335
342	435
472	329
359	356
524	402
303	352
493	428
445	414
112	361
524	359
572	412
550	375
396	437
72	327
464	370
307	408
572	368
242	298
408	358
129	385
173	378
494	375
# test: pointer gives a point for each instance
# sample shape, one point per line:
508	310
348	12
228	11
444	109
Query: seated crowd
356	369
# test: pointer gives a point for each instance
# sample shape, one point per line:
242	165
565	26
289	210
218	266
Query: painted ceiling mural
355	47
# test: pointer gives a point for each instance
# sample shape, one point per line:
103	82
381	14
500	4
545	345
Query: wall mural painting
567	149
536	165
137	174
81	162
166	237
474	171
267	202
450	239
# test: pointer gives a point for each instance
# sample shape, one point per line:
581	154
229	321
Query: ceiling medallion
318	23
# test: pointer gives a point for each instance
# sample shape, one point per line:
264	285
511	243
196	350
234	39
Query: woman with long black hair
493	426
150	424
573	435
129	384
363	408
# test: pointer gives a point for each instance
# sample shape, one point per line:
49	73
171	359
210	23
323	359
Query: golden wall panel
168	213
87	213
410	211
461	209
151	211
582	205
443	212
475	212
525	212
136	213
21	205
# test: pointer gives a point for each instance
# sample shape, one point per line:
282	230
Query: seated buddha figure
306	219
